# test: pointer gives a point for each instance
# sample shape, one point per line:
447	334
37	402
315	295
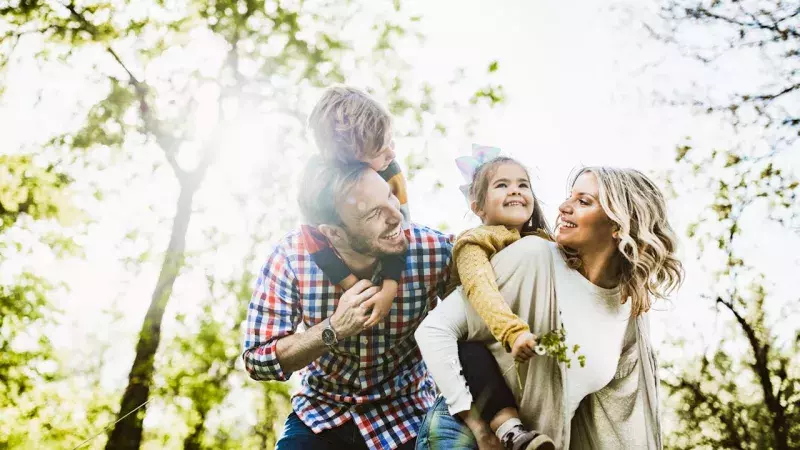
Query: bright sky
578	94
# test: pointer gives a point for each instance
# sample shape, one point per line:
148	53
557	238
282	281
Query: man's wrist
330	337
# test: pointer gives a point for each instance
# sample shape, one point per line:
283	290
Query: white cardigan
622	415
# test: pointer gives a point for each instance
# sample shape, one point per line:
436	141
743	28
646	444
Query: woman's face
582	224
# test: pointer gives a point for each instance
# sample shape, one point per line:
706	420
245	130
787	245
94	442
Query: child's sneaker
519	439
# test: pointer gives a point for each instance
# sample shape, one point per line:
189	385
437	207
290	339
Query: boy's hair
480	186
348	124
325	184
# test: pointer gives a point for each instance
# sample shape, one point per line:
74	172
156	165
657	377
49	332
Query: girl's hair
647	242
480	186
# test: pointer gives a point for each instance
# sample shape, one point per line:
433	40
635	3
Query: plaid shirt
376	378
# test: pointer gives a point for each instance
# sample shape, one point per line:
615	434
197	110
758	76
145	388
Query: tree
239	60
35	203
744	392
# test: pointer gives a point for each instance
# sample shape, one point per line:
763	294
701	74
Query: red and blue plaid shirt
376	378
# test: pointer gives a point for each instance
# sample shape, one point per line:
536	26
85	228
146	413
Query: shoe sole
541	443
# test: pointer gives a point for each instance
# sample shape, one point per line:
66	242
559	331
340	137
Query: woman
614	254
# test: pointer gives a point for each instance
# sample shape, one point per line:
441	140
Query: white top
594	319
622	415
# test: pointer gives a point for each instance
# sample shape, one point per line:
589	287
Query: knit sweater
472	253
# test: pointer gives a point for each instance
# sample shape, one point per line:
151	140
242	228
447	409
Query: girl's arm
472	254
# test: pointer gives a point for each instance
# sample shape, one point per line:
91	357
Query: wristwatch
329	337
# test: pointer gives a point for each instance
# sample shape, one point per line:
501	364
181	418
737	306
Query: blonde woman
614	255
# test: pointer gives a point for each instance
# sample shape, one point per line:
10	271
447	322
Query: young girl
499	193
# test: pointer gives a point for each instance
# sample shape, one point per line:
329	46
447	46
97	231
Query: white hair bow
481	154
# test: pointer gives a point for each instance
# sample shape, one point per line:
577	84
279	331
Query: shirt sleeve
473	252
437	338
274	312
444	285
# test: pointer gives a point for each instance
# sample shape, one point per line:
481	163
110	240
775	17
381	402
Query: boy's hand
522	350
381	303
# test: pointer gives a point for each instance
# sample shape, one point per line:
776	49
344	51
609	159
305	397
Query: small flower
540	350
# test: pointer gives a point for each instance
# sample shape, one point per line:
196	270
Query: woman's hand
523	348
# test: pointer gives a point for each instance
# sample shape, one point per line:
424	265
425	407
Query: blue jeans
298	436
442	431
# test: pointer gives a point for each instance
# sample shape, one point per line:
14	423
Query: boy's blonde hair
349	125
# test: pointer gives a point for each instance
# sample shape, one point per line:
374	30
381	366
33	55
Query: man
362	387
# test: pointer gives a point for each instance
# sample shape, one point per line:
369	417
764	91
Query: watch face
328	336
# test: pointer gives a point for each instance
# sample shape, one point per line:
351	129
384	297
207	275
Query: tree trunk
127	433
195	438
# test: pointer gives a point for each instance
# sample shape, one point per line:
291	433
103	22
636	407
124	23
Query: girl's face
582	224
509	199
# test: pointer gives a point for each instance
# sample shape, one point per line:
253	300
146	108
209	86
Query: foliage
743	392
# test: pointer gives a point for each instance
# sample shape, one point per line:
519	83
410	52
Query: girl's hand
523	348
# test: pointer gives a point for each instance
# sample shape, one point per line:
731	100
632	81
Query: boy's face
380	160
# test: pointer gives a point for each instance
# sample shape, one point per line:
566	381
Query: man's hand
522	350
351	314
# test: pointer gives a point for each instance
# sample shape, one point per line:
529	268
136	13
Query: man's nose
395	216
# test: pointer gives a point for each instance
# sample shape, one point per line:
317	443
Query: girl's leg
491	395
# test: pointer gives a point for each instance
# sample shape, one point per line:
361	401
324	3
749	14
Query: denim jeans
442	431
298	436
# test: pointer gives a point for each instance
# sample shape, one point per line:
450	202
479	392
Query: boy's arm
381	303
472	255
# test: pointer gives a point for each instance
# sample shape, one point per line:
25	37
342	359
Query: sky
579	79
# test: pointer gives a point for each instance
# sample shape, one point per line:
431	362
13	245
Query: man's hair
348	124
323	187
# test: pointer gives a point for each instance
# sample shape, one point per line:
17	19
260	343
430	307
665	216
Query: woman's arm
437	337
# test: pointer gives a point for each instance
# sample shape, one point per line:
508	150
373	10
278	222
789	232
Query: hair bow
469	164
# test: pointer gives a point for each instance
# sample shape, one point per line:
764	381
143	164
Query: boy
350	127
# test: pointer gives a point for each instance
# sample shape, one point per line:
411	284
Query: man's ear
334	233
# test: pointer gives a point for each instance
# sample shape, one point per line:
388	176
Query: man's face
372	218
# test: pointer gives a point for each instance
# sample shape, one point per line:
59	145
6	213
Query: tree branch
168	144
700	13
761	367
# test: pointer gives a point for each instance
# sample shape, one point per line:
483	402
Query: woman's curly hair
647	242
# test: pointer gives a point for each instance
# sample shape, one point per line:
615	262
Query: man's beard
362	245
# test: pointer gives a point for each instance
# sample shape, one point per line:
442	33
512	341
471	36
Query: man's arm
274	313
299	350
272	348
